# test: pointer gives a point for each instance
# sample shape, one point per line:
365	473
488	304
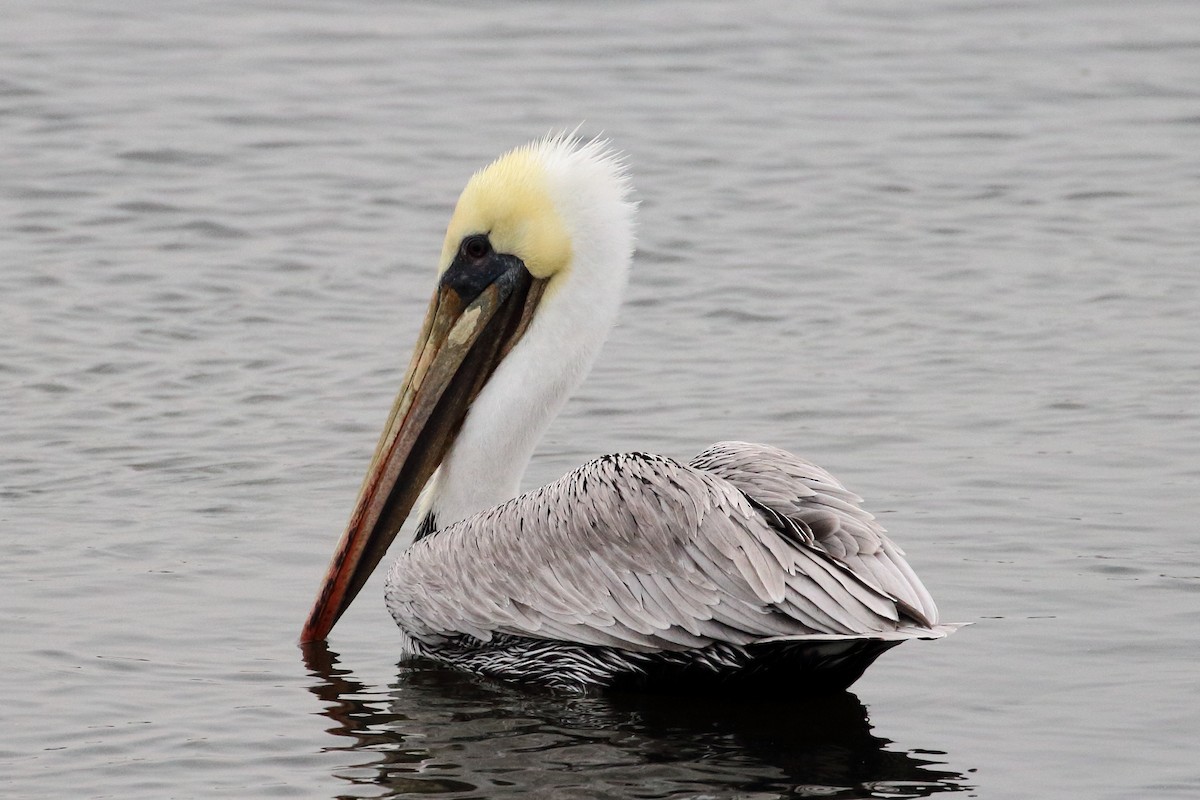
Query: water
946	250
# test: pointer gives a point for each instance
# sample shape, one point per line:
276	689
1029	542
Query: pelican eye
476	247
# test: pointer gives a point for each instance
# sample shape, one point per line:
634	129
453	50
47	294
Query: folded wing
823	509
646	554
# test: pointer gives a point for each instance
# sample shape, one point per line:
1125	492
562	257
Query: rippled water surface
948	250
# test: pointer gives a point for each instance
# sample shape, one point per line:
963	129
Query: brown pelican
745	567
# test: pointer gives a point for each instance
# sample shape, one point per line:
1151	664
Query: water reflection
438	731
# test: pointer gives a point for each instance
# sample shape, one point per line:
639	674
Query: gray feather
818	502
641	554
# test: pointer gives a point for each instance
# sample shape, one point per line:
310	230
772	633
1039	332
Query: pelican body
746	567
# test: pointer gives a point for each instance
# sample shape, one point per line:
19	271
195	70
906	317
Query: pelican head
531	274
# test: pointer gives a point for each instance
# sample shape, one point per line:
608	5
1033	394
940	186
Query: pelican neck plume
745	568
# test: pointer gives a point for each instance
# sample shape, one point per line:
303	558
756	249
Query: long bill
461	343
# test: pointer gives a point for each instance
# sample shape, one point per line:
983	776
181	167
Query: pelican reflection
437	730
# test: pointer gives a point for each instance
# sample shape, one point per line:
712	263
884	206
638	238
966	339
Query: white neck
485	465
506	421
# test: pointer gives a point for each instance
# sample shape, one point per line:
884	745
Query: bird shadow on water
437	731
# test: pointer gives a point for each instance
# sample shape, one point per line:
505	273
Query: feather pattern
826	512
635	562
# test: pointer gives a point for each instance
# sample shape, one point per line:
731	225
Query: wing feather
644	553
818	503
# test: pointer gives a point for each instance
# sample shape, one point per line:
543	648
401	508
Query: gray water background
948	250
